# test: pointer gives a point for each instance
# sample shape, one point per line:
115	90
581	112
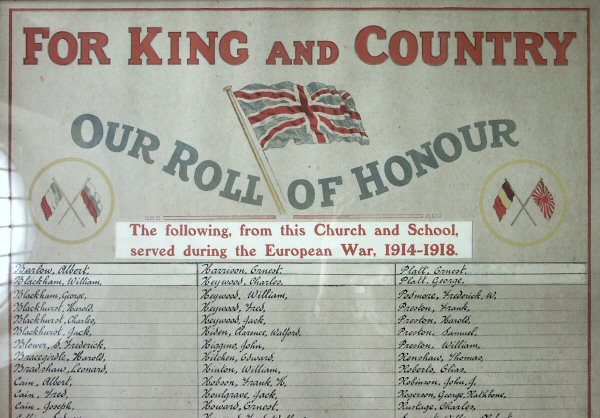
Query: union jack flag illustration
313	114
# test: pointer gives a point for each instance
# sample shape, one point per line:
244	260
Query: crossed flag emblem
540	194
55	195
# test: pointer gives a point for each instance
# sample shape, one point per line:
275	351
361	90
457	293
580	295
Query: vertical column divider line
197	343
395	343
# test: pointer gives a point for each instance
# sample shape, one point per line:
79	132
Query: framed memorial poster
313	209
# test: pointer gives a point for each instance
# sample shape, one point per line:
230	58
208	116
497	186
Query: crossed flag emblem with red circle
540	194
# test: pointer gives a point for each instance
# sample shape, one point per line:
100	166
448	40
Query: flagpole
70	203
525	204
255	151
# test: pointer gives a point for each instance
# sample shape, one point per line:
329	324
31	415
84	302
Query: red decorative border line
308	9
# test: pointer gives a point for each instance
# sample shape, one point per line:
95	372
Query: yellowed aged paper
298	209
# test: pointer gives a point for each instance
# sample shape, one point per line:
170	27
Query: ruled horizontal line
201	336
288	299
394	397
326	385
320	311
138	397
332	409
329	372
340	311
391	324
333	348
417	263
389	274
354	360
320	285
